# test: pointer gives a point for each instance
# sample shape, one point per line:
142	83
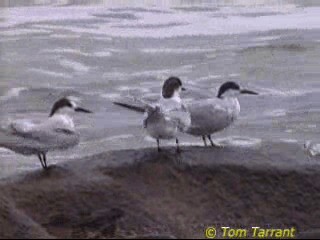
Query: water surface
106	49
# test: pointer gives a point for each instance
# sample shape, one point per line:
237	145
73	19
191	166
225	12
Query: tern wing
151	113
181	117
21	127
208	116
51	137
28	138
135	104
26	129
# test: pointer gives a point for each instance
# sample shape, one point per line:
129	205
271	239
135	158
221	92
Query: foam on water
200	24
104	142
267	38
239	141
12	93
110	96
149	139
101	38
177	50
288	140
150	73
21	15
234	75
64	36
150	26
50	73
276	113
194	23
119	137
9	39
101	54
207	78
75	66
211	55
285	93
131	88
18	32
77	52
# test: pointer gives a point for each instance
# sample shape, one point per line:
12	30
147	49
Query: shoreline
131	193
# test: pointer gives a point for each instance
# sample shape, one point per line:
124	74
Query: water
106	49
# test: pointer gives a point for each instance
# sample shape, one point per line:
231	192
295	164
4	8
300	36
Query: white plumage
212	115
57	132
169	116
207	116
215	114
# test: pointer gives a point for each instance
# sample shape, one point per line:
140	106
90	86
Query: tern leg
45	160
158	143
41	161
204	141
178	148
212	143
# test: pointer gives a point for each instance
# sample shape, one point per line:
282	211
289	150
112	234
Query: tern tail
134	104
130	107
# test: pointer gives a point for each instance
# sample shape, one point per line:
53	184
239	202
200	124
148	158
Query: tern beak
245	91
78	109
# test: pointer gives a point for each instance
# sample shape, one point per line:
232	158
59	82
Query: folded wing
27	138
208	116
181	116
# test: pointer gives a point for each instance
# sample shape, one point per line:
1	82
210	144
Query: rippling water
106	49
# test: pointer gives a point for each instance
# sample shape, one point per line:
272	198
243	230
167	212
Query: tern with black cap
212	115
57	132
209	115
169	116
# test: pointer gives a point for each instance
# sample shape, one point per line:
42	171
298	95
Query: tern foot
44	158
43	161
158	145
204	141
215	145
178	151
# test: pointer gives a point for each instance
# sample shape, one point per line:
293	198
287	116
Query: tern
57	132
209	115
169	116
212	115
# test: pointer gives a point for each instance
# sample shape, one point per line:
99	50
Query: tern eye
72	105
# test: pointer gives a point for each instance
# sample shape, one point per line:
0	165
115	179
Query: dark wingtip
131	107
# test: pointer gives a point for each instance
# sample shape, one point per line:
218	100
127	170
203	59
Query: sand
142	193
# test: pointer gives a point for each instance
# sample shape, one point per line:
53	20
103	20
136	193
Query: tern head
172	87
67	105
232	89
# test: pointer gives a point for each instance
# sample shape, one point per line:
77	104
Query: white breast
168	104
62	121
233	108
